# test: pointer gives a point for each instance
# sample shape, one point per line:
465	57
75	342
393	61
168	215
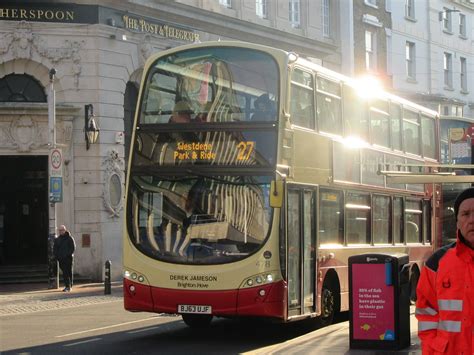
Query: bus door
301	249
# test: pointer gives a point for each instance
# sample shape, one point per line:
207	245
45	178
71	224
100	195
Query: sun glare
353	142
368	86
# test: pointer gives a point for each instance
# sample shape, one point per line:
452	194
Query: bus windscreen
199	220
224	84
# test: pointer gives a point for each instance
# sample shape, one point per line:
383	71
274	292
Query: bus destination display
242	151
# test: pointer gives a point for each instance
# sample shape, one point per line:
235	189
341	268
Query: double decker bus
254	175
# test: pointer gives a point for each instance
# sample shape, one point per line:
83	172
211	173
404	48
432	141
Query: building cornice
65	112
221	25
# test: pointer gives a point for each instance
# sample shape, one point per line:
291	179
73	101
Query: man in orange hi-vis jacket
445	292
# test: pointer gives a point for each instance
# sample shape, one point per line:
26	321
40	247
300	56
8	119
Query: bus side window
411	131
358	217
413	220
302	115
428	137
302	99
328	104
395	125
353	238
398	220
355	124
331	219
382	207
410	143
379	117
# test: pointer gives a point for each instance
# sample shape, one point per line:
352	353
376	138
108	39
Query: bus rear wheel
197	320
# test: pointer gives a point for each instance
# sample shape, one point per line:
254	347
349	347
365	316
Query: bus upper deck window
328	106
221	84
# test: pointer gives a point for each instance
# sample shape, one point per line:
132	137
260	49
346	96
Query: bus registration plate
194	308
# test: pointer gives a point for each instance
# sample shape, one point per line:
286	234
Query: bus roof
282	54
355	83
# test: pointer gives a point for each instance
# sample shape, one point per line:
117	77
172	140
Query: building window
226	3
371	2
410	8
451	110
448	70
370	53
462	25
21	88
262	8
410	59
447	20
295	13
326	18
463	74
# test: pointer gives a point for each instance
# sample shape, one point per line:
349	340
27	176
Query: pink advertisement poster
372	303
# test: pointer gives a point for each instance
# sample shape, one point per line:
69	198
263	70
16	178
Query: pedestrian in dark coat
64	247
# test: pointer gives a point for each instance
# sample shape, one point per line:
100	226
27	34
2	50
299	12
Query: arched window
21	88
129	106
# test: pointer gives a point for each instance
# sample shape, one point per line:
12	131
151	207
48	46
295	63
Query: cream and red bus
254	174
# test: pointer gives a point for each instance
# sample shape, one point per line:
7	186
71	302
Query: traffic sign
55	189
56	162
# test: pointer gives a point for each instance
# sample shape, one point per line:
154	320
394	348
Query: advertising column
372	302
379	301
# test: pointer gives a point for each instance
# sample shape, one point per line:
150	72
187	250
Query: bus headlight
259	280
135	276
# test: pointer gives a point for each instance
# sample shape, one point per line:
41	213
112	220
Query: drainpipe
53	281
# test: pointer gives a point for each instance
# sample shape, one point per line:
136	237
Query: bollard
107	287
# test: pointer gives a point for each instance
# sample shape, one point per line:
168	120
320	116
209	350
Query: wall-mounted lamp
91	129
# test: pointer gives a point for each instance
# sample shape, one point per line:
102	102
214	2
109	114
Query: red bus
253	176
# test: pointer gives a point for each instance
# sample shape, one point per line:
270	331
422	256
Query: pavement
36	297
333	339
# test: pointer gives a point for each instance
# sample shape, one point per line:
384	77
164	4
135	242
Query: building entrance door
23	209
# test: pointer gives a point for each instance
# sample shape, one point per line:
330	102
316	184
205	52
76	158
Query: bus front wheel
329	302
197	320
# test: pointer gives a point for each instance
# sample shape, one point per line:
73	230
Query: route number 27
245	149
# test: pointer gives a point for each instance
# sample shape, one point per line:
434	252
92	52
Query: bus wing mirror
276	194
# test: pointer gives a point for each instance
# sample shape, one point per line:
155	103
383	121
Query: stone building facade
98	49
